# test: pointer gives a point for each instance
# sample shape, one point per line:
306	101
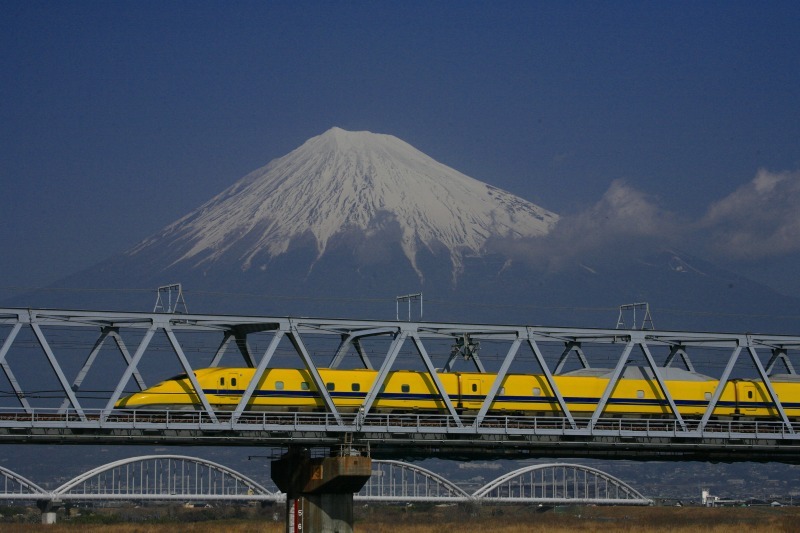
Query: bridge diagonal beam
612	384
297	342
435	377
362	354
679	350
552	382
259	372
108	331
388	363
62	379
132	367
354	338
570	347
234	333
187	367
780	354
12	335
451	361
768	384
723	380
104	333
341	351
127	357
223	347
501	375
244	348
467	353
661	384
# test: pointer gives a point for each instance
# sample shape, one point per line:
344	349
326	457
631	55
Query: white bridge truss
91	359
559	484
553	484
395	481
152	477
163	477
166	478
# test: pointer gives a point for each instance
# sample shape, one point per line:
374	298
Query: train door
748	397
229	383
473	395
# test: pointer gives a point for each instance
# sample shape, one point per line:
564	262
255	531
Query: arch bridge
151	477
553	483
192	479
64	372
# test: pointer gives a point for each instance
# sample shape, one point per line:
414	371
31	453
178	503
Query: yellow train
636	394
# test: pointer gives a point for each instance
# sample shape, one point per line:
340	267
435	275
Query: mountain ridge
351	181
340	249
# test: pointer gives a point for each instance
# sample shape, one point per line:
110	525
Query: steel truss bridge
178	478
65	370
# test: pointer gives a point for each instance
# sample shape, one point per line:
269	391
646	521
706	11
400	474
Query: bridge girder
33	420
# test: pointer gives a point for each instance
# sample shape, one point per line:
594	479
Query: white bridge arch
398	481
185	478
163	477
559	483
17	487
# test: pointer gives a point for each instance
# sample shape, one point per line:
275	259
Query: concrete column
319	491
49	509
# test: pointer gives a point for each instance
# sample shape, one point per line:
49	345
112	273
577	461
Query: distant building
715	501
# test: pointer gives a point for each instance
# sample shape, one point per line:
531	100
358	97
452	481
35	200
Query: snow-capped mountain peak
341	182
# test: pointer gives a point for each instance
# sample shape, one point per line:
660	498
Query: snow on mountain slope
344	181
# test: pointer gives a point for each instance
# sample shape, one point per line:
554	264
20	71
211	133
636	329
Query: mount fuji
348	221
349	186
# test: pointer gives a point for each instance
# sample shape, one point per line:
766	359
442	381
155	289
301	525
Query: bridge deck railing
393	423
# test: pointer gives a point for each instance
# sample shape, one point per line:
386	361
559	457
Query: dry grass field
383	519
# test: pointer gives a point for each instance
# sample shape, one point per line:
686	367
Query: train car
636	394
289	389
753	399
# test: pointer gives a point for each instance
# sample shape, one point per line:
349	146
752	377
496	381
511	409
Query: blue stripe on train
401	396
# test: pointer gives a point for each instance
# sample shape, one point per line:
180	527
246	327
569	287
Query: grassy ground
385	519
593	519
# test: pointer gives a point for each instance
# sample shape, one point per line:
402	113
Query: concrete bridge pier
49	508
319	491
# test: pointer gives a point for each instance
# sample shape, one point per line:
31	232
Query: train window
233	382
474	387
708	396
279	385
640	394
355	387
405	388
330	385
221	382
537	391
750	394
303	385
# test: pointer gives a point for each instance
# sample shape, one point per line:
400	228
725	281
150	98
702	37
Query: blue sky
120	117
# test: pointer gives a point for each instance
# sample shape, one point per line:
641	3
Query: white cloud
759	220
759	223
623	222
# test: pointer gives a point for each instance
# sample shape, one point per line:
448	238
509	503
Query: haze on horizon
675	122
